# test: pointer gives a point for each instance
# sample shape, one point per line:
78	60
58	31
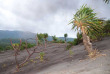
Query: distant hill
16	34
5	34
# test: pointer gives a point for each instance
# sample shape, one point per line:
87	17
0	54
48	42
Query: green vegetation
23	45
42	38
57	40
54	38
29	45
6	45
42	54
106	29
76	41
45	36
72	43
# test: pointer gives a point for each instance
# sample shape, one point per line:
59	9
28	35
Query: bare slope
58	61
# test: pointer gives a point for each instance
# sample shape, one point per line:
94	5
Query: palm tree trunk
86	41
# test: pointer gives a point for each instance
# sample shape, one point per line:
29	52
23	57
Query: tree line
42	39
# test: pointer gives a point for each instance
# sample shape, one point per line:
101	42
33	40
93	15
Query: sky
46	16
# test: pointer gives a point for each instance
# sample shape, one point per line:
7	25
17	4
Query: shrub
1	48
55	39
29	45
8	47
4	47
23	46
75	42
59	41
106	28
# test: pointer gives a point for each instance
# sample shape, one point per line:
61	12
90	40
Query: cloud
40	16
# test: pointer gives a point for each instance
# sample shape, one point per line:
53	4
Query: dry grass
94	54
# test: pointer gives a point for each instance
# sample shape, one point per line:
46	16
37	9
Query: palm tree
40	38
85	20
65	35
45	37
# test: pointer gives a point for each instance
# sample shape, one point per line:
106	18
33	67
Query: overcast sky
45	16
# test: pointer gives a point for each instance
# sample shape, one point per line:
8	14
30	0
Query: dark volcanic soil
58	59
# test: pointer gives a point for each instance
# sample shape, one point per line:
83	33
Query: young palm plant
65	35
85	20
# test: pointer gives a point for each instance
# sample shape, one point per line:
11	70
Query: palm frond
85	17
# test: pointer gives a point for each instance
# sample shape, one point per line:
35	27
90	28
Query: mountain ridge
5	34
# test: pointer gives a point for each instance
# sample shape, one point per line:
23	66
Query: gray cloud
51	16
